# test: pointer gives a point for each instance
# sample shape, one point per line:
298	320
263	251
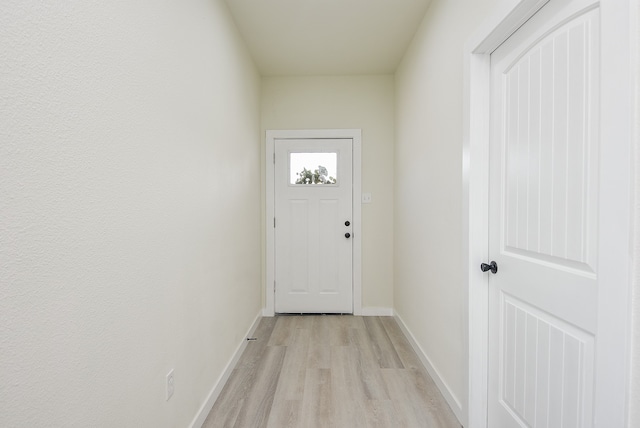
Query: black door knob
347	235
347	223
493	267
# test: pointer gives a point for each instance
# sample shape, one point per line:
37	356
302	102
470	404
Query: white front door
543	300
313	226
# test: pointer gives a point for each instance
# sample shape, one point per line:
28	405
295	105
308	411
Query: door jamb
477	83
271	135
615	126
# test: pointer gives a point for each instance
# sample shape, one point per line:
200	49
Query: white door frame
356	136
615	230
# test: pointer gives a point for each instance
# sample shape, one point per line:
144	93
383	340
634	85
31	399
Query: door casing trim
300	134
616	30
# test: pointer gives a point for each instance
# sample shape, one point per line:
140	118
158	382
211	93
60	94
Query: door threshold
290	314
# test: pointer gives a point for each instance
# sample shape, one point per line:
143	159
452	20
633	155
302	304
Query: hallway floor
330	371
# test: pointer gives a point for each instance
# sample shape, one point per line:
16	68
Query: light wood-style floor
330	371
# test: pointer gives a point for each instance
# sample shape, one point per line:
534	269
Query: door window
313	168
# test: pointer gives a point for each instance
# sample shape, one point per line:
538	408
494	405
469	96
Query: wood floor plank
330	371
348	390
227	407
294	368
367	367
338	330
381	414
407	415
255	348
286	414
319	352
383	347
283	330
257	405
432	399
345	372
305	322
402	346
418	408
318	400
242	379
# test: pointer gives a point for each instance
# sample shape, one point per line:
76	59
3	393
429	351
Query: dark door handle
347	235
347	223
493	267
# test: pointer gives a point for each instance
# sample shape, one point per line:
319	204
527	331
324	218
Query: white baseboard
377	312
451	399
217	387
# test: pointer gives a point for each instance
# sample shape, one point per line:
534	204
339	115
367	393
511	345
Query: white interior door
313	226
543	220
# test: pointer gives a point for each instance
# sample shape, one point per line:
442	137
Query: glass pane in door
313	168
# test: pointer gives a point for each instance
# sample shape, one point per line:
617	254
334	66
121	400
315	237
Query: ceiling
327	37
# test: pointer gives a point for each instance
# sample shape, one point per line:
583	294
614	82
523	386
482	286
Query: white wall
129	209
634	392
429	295
365	102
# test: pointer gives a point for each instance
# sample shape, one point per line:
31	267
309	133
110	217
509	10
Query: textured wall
365	102
429	290
129	209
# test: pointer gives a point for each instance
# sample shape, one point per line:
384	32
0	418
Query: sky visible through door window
312	161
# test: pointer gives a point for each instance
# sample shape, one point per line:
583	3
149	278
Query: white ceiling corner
327	37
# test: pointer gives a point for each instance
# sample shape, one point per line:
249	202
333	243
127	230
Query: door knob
347	223
347	235
493	267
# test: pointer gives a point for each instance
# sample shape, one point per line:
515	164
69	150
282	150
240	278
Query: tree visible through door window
313	168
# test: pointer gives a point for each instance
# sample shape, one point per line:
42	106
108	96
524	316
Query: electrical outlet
366	198
170	384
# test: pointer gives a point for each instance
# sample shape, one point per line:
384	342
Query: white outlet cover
366	198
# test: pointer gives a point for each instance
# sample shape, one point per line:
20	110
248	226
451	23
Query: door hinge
274	158
274	222
274	287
